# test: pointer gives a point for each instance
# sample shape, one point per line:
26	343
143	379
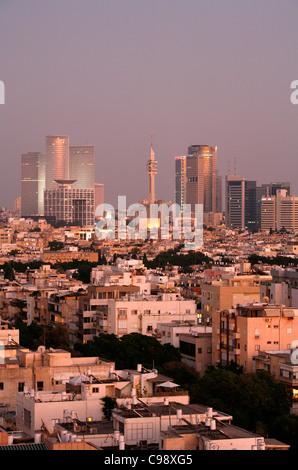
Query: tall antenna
235	171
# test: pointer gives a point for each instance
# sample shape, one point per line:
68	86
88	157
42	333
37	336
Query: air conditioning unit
93	430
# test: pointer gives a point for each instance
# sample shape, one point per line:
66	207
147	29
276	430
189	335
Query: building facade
32	183
201	176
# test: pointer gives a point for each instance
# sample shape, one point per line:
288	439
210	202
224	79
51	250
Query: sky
110	73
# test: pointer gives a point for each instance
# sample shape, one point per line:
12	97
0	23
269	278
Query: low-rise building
196	350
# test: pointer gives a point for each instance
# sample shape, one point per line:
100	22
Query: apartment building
196	349
81	401
68	256
229	292
170	332
283	288
142	314
162	424
40	370
92	315
238	334
283	365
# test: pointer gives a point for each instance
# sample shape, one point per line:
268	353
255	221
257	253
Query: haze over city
111	74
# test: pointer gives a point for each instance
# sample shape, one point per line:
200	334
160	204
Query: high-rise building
98	195
261	192
218	192
201	165
68	204
268	213
180	181
279	212
235	201
286	211
81	165
57	159
32	183
251	204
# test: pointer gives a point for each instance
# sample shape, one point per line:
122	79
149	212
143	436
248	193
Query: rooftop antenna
235	165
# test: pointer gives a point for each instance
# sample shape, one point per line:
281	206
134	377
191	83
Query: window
21	386
1	386
257	347
199	350
187	348
39	386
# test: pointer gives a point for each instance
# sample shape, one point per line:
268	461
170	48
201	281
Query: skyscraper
251	204
57	159
235	201
201	165
32	183
81	165
180	181
218	192
68	204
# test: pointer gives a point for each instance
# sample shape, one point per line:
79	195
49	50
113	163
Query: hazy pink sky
111	72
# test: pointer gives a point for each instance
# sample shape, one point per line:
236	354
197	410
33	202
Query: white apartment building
142	314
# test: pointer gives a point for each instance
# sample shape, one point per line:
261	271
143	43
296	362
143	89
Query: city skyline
114	90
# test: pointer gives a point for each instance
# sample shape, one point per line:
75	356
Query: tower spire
152	171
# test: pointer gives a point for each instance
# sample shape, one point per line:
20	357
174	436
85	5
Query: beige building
238	334
40	370
67	256
196	350
230	292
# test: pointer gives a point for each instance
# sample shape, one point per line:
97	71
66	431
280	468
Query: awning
168	385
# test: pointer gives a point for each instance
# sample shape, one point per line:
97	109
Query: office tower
152	171
81	165
32	183
268	213
250	204
57	159
68	204
180	181
201	165
286	211
218	192
261	192
235	201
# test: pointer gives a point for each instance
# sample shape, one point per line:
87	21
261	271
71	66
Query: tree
255	400
9	272
108	406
